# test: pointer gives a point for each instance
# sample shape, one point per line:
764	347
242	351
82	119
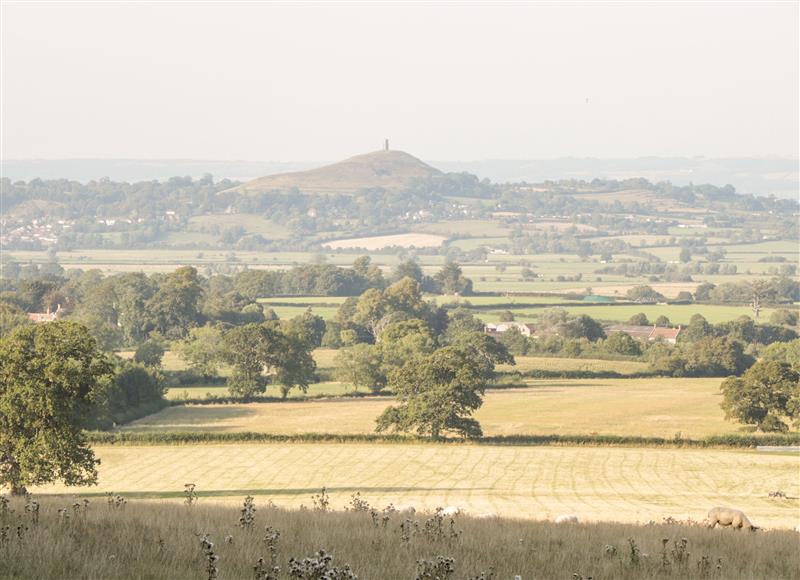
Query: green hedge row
548	374
171	438
233	400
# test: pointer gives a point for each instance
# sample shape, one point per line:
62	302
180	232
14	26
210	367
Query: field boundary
180	438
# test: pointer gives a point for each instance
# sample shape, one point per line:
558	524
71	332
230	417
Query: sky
303	82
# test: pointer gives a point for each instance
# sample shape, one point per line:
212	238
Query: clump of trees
767	395
50	377
438	392
259	353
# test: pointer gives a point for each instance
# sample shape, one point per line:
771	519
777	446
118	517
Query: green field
557	364
484	273
325	388
599	483
659	407
677	313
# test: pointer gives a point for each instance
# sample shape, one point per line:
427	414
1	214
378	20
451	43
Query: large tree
50	374
175	306
768	392
450	280
259	353
439	392
202	349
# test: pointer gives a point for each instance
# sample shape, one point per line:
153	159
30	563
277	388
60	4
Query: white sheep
567	519
729	517
450	511
406	510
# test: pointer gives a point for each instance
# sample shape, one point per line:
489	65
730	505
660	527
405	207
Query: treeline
668	272
144	213
123	310
702	349
108	214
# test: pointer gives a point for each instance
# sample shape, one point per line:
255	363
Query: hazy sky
263	81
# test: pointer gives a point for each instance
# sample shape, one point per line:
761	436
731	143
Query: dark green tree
50	376
662	321
784	317
361	365
437	393
450	280
408	269
308	326
644	295
202	349
151	351
260	353
764	395
174	308
639	320
460	321
714	357
697	329
11	316
621	343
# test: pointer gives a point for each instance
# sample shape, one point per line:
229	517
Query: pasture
677	313
598	483
410	240
525	308
321	389
659	407
558	364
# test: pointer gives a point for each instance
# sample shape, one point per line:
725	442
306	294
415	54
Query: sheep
487	516
405	510
729	517
567	519
450	511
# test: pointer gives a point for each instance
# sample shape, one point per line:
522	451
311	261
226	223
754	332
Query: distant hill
777	176
390	170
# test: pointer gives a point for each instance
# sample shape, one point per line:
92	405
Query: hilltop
390	170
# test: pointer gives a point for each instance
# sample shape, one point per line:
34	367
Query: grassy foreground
626	484
159	540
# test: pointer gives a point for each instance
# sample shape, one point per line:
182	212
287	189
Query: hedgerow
177	437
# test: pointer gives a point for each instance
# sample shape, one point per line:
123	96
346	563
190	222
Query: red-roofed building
48	316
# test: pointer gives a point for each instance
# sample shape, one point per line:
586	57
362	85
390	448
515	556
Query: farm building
500	328
48	316
649	333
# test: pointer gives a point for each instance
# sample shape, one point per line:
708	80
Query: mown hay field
657	407
596	483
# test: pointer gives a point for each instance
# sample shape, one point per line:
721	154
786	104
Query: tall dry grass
137	539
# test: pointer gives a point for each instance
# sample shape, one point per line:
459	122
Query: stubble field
657	407
598	483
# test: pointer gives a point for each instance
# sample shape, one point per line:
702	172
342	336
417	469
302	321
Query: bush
135	391
621	343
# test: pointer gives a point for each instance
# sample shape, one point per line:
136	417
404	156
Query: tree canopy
438	392
50	374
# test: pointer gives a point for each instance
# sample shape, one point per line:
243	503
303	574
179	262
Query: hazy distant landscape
423	291
760	176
